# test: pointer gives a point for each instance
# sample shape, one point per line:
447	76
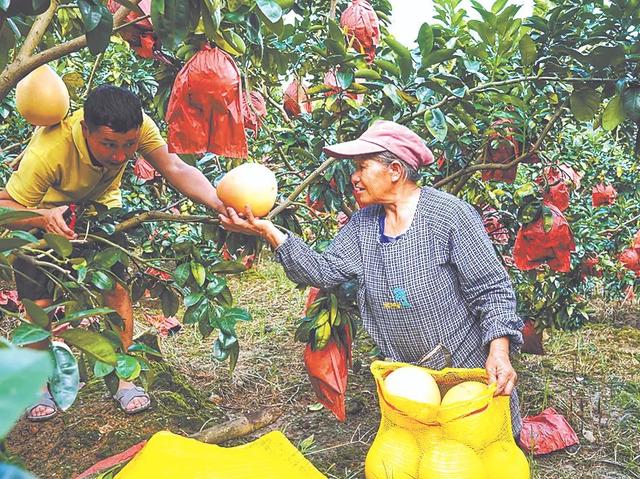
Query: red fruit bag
534	246
546	432
253	116
296	100
328	370
362	25
205	108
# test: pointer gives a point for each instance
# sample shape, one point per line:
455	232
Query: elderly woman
426	269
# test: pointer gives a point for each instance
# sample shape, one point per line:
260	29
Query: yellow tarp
171	456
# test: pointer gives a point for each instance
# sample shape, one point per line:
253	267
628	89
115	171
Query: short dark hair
112	106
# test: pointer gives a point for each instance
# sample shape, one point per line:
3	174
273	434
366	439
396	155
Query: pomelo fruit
505	460
448	459
249	184
42	97
394	453
413	383
480	420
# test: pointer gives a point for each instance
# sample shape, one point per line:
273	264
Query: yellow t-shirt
57	169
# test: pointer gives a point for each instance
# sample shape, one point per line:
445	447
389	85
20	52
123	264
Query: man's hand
250	225
499	367
52	221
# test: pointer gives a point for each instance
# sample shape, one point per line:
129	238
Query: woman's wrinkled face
371	181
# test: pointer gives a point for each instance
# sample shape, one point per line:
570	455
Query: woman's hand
499	367
250	225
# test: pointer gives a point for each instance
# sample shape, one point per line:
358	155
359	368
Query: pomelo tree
534	121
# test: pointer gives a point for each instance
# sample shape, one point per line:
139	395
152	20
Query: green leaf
8	215
22	375
28	334
613	114
425	39
105	259
38	315
547	219
169	302
193	298
143	348
172	20
602	56
9	244
98	38
102	280
25	235
182	273
195	313
77	315
228	267
487	32
436	123
584	103
101	369
92	343
91	14
403	55
198	272
345	78
271	9
528	50
65	381
498	5
127	367
437	56
215	286
7	43
219	353
631	103
234	353
59	244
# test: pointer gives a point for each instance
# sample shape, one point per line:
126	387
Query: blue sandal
45	400
125	396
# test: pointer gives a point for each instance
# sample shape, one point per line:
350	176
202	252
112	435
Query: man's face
109	148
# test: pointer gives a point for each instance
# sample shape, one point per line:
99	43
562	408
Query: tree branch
488	86
21	66
301	187
504	166
36	32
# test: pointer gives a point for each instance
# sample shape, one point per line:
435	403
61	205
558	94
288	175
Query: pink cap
385	136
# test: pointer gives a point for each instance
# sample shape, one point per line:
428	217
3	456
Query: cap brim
352	149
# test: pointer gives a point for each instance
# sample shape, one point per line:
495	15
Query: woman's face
371	181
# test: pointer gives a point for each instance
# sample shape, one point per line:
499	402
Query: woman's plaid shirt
440	283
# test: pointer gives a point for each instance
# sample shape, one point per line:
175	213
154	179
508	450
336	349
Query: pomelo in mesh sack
505	460
482	422
249	184
394	454
448	459
412	383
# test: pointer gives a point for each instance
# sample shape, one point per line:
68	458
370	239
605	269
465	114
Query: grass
591	376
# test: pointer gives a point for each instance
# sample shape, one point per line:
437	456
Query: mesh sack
463	440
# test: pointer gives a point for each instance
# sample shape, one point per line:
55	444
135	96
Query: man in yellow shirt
83	159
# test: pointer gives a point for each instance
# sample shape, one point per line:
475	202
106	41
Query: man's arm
187	179
50	220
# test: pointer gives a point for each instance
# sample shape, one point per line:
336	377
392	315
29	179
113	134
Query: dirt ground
592	377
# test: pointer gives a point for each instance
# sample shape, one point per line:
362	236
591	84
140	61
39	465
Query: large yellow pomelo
249	184
42	97
481	419
505	460
394	453
448	459
413	383
464	392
